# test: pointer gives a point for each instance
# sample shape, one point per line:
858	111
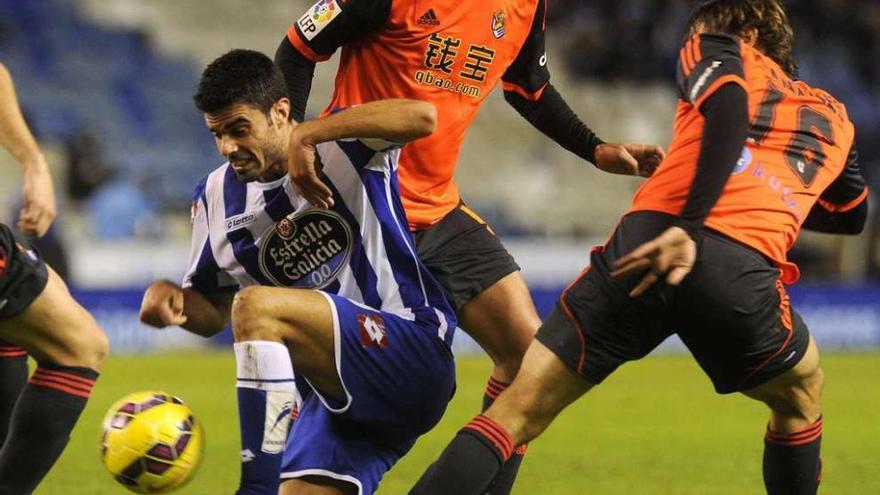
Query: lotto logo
372	331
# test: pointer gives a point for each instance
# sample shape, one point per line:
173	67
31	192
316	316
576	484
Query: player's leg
272	326
69	348
491	299
13	377
557	369
794	434
737	321
544	386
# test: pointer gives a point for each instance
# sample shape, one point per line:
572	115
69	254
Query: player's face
253	142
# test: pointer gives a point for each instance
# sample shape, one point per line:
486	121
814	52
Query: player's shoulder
203	188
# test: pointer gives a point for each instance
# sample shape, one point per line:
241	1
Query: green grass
655	427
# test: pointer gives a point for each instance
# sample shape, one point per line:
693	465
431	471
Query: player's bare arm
38	193
397	121
166	303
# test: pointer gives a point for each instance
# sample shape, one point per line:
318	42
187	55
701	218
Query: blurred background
106	86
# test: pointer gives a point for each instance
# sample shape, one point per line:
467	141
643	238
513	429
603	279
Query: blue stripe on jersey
406	266
360	265
243	246
234	193
205	278
408	270
277	203
357	152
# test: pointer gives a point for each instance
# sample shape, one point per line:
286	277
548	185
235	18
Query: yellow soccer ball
151	442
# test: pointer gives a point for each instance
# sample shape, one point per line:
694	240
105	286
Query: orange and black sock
46	412
502	484
13	377
470	461
792	465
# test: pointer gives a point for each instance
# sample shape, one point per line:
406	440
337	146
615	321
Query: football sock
46	411
502	484
13	377
791	461
469	462
266	394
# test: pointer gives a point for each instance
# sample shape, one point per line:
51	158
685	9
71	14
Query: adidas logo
429	18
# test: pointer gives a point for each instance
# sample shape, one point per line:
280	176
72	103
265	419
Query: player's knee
89	348
250	319
800	398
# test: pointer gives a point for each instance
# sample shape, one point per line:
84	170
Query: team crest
306	249
373	333
498	24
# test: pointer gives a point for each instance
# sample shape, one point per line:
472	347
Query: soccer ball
151	442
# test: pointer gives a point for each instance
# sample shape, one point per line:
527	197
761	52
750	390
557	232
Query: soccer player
37	317
338	292
452	54
755	156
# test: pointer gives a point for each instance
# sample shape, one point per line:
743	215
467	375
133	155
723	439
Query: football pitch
655	427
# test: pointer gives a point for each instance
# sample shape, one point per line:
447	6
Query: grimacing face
253	142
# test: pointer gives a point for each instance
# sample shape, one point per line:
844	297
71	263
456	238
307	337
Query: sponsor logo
278	406
372	330
426	78
318	17
306	249
429	18
498	24
743	163
240	221
703	78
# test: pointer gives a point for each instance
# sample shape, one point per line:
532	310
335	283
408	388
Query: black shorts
464	255
23	276
731	311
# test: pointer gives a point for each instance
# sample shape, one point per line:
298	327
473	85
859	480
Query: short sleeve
705	63
528	74
329	24
203	274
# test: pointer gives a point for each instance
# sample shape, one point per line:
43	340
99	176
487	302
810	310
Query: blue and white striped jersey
266	233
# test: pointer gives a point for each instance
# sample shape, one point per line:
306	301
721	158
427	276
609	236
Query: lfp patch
307	249
318	17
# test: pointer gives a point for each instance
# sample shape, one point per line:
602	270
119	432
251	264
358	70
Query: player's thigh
55	328
796	392
735	317
544	386
502	319
300	318
316	485
482	281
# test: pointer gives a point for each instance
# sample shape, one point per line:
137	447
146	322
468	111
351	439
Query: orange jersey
798	144
446	52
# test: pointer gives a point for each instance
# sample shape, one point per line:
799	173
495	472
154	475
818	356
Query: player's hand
670	255
163	305
39	200
629	159
302	169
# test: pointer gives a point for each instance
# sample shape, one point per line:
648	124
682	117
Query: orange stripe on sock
802	437
65	376
9	354
62	388
494	432
86	387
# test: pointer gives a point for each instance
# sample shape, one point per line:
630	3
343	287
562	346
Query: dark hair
240	76
735	17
